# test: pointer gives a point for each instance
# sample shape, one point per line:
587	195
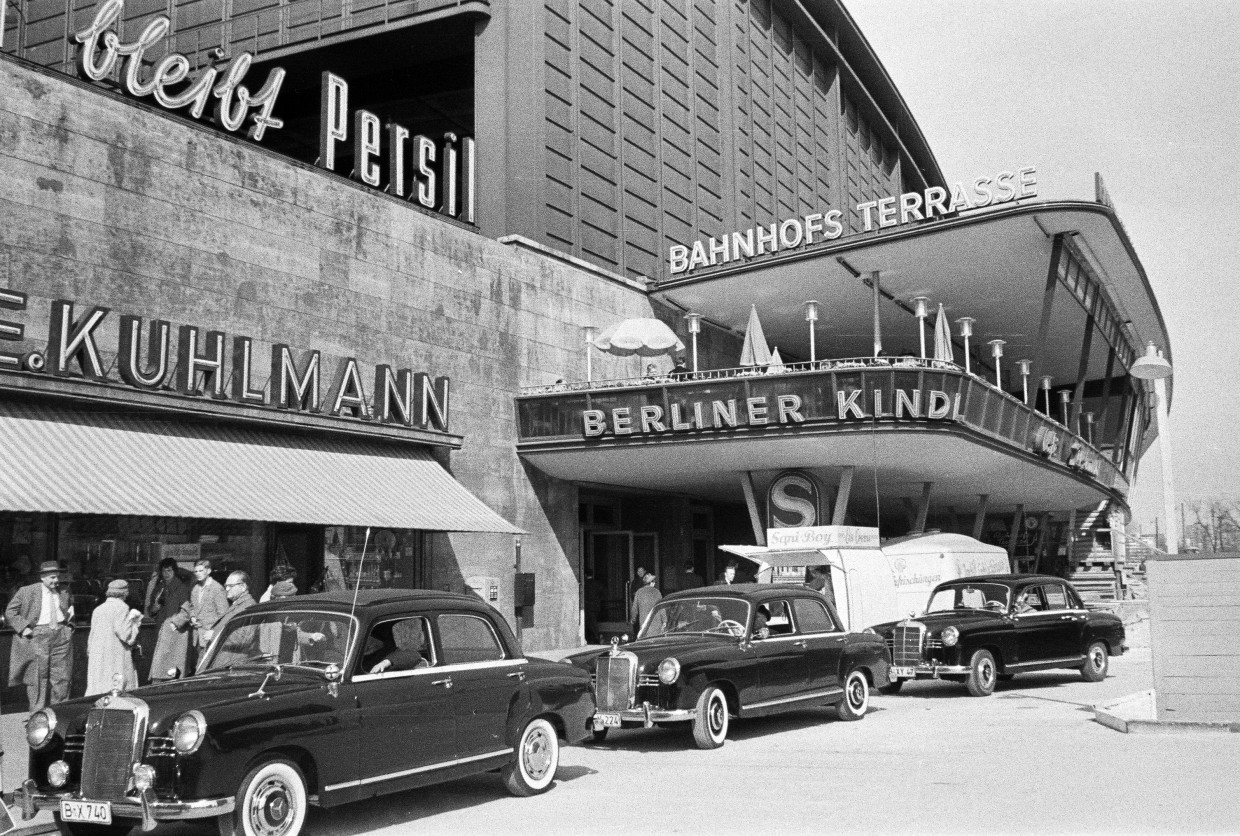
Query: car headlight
188	732
40	728
58	773
143	775
669	670
950	636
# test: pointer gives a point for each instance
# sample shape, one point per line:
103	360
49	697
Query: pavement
1029	759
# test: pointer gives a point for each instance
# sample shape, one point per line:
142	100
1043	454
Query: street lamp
966	331
590	333
1064	397
1046	387
1089	427
695	327
811	316
996	351
1024	365
921	312
1153	366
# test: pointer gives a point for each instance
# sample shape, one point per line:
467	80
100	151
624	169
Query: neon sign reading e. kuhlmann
209	364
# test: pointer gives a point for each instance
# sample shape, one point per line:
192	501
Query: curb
1134	714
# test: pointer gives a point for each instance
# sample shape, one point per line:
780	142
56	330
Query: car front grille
906	643
614	680
107	760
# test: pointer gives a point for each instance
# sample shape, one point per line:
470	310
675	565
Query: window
403	643
468	638
774	617
812	616
1056	598
1030	601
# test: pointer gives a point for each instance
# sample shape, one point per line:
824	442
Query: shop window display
355	557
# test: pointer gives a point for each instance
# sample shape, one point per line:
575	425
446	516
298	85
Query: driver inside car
393	646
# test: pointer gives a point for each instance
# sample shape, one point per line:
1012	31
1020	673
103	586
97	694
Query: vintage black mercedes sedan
980	629
311	700
745	650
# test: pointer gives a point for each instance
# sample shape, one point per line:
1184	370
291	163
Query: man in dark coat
41	615
243	642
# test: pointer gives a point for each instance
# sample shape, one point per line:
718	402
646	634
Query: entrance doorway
299	546
611	558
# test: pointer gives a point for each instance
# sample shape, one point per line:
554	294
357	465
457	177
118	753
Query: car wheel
856	696
710	719
599	735
891	687
534	764
982	674
271	802
1096	663
72	828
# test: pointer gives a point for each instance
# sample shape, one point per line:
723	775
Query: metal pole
1164	452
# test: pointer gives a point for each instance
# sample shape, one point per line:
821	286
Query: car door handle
799	642
517	675
1067	618
447	683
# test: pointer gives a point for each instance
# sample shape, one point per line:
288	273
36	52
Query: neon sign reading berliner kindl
102	49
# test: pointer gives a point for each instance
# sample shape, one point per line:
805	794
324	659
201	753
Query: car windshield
296	637
726	616
970	596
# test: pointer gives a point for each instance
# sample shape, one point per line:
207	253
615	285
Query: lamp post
811	316
695	327
996	351
1046	387
1024	366
1089	427
921	312
1154	367
590	333
966	331
1064	398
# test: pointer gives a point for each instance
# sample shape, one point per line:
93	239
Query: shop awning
67	461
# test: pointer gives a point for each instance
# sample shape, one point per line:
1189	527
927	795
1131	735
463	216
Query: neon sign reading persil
102	50
816	227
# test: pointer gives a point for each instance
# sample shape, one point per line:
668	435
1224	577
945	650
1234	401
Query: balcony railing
809	395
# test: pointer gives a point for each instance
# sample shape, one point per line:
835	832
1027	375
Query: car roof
744	591
370	601
1009	580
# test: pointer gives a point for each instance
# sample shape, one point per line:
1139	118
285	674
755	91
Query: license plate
606	721
902	673
94	812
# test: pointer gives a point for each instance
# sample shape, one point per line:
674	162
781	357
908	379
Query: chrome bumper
648	715
145	807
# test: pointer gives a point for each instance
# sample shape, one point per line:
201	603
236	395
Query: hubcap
856	692
536	754
988	672
717	715
271	808
1099	659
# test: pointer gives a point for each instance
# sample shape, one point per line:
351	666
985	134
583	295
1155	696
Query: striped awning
68	461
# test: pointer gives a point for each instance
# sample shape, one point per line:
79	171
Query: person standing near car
167	593
206	605
41	615
643	602
109	649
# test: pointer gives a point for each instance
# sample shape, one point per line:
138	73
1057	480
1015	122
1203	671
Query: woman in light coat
109	650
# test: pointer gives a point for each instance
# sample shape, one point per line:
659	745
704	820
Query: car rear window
468	638
812	616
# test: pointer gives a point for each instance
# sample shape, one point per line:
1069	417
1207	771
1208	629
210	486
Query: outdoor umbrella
641	337
943	338
755	352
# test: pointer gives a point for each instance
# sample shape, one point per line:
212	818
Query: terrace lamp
811	316
1064	399
1046	387
921	312
695	327
590	333
996	351
966	331
1024	365
1089	427
1154	367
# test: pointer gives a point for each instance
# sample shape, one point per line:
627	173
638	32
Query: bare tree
1215	526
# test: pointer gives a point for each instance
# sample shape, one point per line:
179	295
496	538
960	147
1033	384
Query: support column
840	511
755	513
979	522
1082	369
1013	535
1048	301
1044	541
1070	546
923	510
910	513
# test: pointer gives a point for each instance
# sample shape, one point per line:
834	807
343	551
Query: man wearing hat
109	650
41	615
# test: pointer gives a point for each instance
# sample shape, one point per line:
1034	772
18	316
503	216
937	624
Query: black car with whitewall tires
981	629
707	655
310	700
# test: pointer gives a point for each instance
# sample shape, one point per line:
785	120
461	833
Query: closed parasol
943	338
641	337
777	363
755	352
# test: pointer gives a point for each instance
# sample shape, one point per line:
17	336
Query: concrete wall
116	203
1194	624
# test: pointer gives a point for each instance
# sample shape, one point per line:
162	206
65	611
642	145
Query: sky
1148	94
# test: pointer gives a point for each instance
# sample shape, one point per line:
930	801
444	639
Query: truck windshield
297	637
727	616
970	596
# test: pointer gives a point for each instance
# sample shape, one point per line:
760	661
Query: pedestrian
113	636
691	579
643	602
206	605
237	588
41	658
283	572
167	593
283	589
729	574
680	371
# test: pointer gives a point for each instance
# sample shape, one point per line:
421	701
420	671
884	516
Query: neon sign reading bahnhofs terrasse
816	227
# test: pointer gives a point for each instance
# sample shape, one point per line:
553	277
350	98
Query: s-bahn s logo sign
102	53
793	500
